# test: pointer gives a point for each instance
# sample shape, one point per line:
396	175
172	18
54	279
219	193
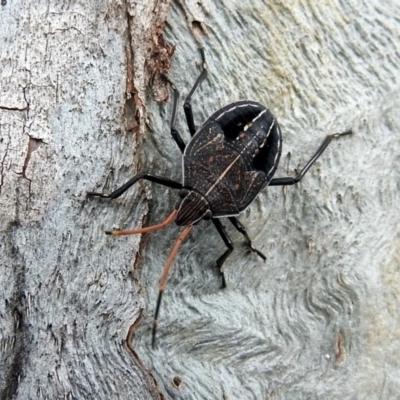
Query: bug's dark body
229	160
233	156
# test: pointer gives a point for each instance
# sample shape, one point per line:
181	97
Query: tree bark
73	94
84	106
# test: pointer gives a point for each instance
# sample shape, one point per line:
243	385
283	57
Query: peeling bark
148	55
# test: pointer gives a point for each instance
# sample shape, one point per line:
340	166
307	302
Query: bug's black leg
149	177
221	230
239	226
295	179
187	106
174	133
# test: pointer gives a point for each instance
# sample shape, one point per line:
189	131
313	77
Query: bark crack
26	108
128	341
33	144
19	350
25	98
147	60
13	108
2	165
134	104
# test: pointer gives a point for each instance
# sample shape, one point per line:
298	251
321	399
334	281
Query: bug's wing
224	179
250	123
237	190
233	156
204	173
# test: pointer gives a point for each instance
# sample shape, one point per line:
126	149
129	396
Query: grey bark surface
81	109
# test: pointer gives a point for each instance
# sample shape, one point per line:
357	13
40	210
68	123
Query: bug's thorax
192	208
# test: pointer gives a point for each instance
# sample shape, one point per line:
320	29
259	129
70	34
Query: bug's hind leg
164	277
240	227
221	230
295	179
187	106
149	177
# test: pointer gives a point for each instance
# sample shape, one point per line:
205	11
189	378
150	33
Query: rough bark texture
72	104
78	112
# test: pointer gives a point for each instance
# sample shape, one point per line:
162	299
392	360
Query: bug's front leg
174	132
149	177
291	180
187	106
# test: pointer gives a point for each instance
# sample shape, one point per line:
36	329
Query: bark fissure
33	144
12	108
140	72
133	104
17	307
148	373
2	165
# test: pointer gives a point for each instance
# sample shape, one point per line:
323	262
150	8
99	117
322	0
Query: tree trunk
73	96
84	106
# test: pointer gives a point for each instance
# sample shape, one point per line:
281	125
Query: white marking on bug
278	153
254	177
234	161
233	108
253	120
217	138
270	128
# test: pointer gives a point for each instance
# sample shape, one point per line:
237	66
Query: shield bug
231	157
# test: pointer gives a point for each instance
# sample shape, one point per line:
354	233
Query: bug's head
192	208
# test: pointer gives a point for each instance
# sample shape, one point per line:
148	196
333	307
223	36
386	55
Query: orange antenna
166	222
164	277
